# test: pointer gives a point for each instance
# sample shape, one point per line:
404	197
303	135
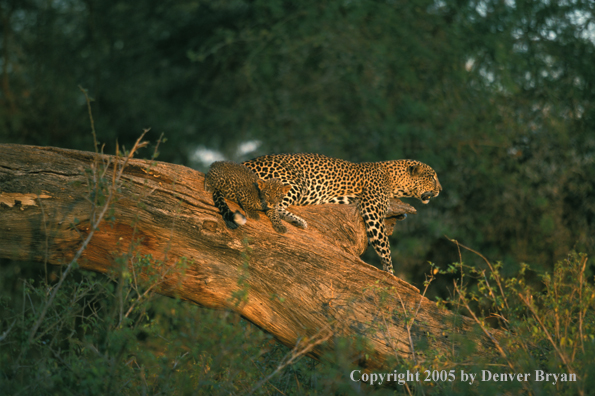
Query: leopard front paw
298	222
301	224
280	228
388	267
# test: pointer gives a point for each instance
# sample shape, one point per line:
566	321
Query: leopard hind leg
232	219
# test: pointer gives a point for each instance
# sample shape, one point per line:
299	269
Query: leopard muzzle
425	197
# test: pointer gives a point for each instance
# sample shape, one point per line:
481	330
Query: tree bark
294	285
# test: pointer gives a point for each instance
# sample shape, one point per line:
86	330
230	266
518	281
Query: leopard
316	179
236	182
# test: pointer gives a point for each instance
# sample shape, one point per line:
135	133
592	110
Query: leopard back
317	179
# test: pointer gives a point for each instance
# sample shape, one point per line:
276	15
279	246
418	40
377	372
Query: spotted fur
316	179
237	183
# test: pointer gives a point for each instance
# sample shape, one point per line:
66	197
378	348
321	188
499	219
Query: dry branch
297	283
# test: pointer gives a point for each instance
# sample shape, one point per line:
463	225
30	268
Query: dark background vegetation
496	95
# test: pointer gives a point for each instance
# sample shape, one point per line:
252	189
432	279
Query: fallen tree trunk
291	285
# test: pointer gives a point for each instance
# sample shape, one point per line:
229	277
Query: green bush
100	337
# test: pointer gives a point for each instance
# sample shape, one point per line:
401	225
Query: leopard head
415	179
425	181
272	192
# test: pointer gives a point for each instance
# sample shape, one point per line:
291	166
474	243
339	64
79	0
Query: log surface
297	283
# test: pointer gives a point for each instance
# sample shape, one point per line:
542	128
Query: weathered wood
297	283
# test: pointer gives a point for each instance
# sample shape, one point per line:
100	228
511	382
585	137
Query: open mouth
425	197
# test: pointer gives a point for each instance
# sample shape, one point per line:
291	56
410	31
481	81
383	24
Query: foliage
164	346
99	337
496	95
551	330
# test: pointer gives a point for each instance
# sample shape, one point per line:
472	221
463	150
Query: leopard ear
261	184
415	170
286	188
